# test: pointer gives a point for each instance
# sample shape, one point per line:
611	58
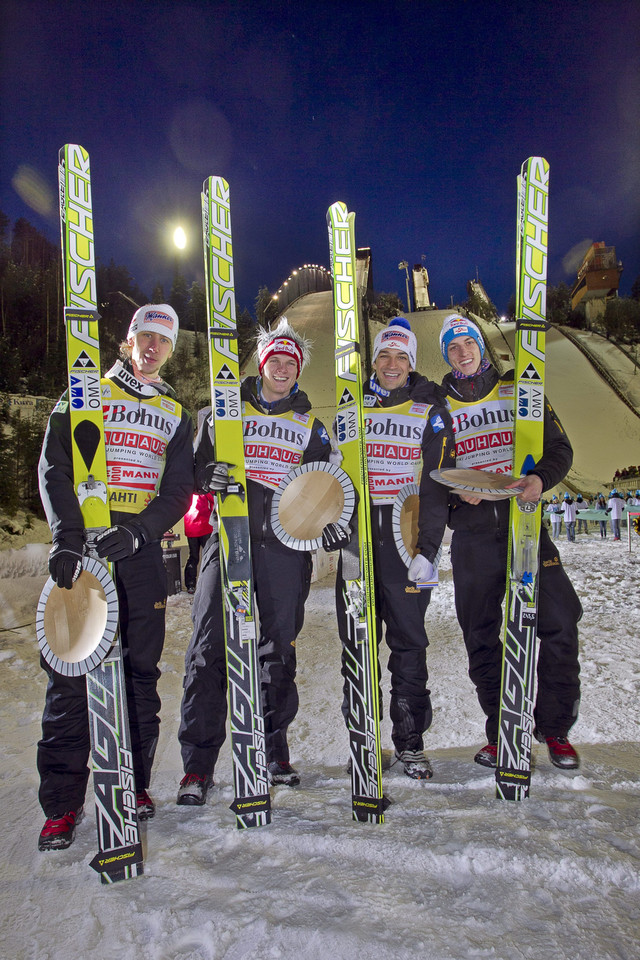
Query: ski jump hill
592	385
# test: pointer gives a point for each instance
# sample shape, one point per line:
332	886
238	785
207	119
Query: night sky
417	114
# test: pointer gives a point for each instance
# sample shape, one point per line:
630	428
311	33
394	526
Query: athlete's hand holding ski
530	488
216	477
119	542
529	491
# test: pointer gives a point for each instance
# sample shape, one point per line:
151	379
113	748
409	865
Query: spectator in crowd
615	509
555	513
582	504
570	512
601	506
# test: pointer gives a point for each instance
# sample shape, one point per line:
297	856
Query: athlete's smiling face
464	355
392	368
279	375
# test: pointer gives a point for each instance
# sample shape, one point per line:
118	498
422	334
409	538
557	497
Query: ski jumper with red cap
279	435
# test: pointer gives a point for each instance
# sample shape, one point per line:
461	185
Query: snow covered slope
604	432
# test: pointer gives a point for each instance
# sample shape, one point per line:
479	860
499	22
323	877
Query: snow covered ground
452	874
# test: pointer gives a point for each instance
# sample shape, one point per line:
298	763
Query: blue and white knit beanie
457	326
397	336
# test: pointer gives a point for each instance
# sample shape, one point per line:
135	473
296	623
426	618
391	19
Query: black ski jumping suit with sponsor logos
141	584
282	578
479	559
400	605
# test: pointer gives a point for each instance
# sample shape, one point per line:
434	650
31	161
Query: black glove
335	537
65	560
216	477
119	542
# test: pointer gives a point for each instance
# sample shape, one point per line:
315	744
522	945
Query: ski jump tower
598	280
421	287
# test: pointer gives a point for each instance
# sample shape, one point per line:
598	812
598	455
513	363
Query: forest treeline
33	349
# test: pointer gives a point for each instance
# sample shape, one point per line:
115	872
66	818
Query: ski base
360	653
515	734
252	802
120	855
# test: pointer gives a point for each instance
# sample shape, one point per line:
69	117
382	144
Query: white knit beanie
157	317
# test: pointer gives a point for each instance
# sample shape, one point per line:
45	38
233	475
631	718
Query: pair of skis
361	650
120	854
252	804
513	771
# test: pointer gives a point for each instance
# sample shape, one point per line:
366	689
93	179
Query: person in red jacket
197	529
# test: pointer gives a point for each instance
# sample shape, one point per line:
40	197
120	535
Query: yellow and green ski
120	850
252	801
513	771
361	652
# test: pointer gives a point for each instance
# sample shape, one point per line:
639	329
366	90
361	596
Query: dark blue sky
417	114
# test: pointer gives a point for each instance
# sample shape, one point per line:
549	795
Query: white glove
421	569
336	456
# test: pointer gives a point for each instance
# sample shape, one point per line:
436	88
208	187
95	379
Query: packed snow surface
452	874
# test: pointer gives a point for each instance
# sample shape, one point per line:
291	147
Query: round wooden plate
307	499
75	628
404	521
479	483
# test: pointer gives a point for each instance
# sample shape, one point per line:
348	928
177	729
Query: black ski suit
479	560
282	578
400	605
141	583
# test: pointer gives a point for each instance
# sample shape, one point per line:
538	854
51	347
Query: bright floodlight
179	238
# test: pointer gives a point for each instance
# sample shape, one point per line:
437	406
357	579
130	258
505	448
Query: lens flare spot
33	189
